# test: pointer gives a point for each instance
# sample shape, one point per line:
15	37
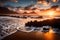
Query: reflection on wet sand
46	36
49	35
33	36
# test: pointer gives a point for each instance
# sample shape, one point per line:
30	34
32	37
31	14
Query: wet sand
32	36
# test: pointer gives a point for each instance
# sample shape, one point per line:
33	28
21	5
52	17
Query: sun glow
51	13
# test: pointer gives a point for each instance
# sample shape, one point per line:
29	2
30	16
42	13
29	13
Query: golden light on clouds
45	3
51	0
39	2
55	0
28	11
37	11
51	13
20	11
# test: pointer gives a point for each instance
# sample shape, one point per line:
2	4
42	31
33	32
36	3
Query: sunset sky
15	5
24	3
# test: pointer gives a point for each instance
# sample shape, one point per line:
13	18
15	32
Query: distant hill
4	10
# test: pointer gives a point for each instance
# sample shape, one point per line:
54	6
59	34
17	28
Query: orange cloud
43	2
55	0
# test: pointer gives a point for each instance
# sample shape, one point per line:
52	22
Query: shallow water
21	35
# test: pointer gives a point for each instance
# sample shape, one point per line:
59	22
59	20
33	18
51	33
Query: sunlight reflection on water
46	36
49	36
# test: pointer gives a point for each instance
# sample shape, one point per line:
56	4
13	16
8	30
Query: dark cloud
54	7
3	1
44	0
5	11
8	0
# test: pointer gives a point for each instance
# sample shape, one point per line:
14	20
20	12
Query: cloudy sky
24	3
17	3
